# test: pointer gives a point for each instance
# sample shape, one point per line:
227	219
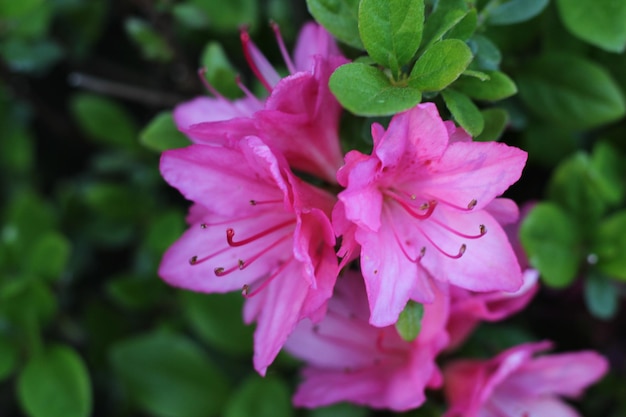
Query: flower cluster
421	213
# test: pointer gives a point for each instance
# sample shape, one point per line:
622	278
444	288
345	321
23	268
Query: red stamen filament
246	288
207	85
194	260
457	256
247	92
257	202
429	207
482	230
241	264
245	40
230	233
281	44
470	206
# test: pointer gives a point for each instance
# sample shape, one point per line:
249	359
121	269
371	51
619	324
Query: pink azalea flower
300	118
255	226
469	308
350	360
417	204
514	384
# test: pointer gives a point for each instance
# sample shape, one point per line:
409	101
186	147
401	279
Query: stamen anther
219	271
245	290
472	204
193	260
483	229
241	264
203	226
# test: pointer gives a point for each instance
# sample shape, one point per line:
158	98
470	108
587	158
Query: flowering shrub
335	215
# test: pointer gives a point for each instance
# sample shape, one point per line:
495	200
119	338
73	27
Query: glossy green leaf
339	17
487	55
162	134
496	120
445	16
260	397
552	243
409	322
575	186
29	303
440	65
151	43
391	31
515	11
571	91
9	356
104	120
366	91
601	296
499	86
217	320
27	217
465	28
229	16
599	22
168	375
49	255
55	384
464	111
610	245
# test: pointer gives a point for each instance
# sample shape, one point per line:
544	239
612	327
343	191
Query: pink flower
350	360
417	204
255	226
514	384
468	309
300	118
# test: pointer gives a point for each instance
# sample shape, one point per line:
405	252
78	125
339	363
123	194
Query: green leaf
15	9
219	71
17	153
608	164
487	55
464	111
496	120
162	134
599	22
49	255
30	55
445	16
409	322
217	319
552	243
104	120
27	217
547	144
366	91
260	397
190	15
575	186
55	384
609	245
465	28
167	375
515	11
391	31
499	86
9	356
571	91
152	45
229	16
164	230
339	17
440	65
601	296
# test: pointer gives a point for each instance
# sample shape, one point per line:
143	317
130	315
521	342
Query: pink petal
469	171
565	374
313	41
